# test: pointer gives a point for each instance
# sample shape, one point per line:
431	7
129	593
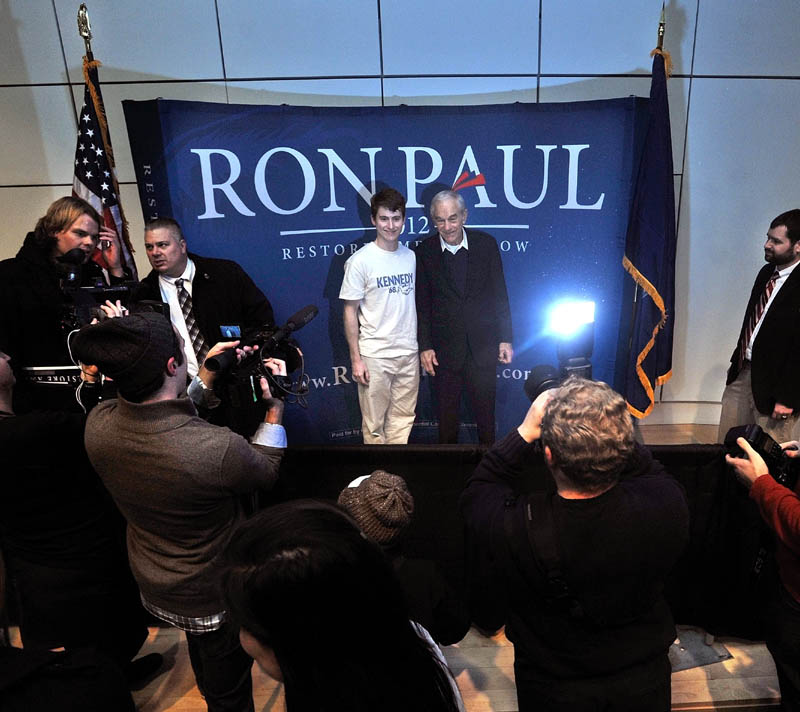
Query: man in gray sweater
178	481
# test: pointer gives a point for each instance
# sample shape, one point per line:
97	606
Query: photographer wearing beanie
383	507
177	480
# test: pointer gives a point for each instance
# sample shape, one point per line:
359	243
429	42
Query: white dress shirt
169	293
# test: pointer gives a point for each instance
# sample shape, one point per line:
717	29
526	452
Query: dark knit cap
382	506
132	350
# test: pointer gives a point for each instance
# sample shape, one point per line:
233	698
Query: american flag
95	178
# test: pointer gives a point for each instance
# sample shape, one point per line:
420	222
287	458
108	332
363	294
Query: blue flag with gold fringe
650	255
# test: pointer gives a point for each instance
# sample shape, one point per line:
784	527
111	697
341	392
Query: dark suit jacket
454	324
32	306
222	294
776	351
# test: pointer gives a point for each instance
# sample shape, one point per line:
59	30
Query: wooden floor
484	670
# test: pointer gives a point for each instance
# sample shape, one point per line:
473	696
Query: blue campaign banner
284	191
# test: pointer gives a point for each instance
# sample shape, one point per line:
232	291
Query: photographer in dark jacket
383	508
34	309
780	509
586	611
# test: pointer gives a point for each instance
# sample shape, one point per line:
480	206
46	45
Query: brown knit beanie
381	504
133	350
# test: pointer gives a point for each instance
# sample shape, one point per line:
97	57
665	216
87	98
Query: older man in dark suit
463	317
763	384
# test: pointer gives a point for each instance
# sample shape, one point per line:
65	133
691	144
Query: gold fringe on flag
667	60
648	287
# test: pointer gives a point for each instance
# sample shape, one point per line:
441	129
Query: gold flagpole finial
661	23
85	27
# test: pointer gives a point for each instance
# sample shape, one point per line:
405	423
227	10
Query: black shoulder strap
541	528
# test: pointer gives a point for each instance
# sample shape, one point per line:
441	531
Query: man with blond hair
584	564
36	311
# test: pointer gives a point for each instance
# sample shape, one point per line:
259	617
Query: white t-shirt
384	283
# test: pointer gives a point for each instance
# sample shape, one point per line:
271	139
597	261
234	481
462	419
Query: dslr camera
780	465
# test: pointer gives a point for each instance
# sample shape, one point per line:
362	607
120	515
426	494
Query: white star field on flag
92	156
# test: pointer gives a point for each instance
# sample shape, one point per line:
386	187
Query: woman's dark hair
302	579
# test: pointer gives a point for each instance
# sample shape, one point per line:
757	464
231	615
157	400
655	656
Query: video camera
267	342
82	303
780	465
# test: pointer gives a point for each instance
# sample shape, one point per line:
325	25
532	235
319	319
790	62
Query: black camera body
780	465
82	301
243	377
544	377
82	304
268	342
265	345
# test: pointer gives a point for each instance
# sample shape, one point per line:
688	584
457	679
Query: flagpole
85	30
662	23
95	178
649	253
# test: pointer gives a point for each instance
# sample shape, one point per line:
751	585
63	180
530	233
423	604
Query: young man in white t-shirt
380	324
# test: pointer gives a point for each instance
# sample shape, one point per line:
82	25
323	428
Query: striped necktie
755	316
185	300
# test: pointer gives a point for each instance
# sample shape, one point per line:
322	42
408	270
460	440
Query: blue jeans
222	669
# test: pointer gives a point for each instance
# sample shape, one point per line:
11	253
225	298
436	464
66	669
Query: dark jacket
452	323
36	316
222	294
32	307
64	541
774	373
616	550
431	600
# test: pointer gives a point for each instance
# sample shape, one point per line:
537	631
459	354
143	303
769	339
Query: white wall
733	100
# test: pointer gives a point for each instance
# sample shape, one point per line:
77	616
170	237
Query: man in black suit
204	295
463	317
763	384
220	292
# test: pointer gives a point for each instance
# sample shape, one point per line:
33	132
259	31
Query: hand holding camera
752	453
